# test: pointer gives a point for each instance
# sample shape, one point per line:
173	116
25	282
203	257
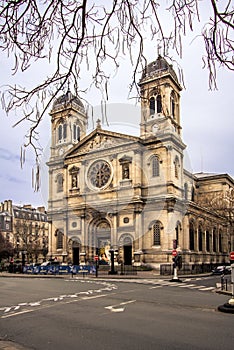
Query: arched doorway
103	240
127	250
100	240
75	245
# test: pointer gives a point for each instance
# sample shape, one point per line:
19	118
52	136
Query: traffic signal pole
231	301
176	261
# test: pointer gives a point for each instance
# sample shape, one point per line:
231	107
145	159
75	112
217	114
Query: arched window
152	105
200	238
220	242
157	226
59	181
191	236
76	132
176	165
193	194
178	229
62	132
159	104
214	240
173	104
186	191
155	166
59	243
207	241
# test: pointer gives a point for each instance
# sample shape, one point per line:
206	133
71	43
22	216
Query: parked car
222	270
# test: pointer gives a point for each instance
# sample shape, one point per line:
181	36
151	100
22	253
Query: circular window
126	220
74	224
99	174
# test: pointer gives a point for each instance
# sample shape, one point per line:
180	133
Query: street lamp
112	254
17	249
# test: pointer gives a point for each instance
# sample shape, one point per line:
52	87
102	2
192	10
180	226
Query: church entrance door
127	254
76	255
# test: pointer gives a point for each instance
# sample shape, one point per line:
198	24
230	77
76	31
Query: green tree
6	248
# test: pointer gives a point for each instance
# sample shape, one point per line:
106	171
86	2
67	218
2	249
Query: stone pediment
100	140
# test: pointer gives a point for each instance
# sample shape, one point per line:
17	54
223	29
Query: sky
206	119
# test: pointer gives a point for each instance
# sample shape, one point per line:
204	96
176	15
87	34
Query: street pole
112	271
231	301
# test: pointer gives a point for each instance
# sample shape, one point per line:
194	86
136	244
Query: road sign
174	252
96	257
231	256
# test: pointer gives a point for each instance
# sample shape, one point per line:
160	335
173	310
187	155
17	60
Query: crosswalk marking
163	283
159	283
206	288
187	285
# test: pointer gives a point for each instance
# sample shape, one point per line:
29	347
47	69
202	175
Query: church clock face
99	174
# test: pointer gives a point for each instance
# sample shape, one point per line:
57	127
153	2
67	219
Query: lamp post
112	271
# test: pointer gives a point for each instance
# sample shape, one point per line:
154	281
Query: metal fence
167	269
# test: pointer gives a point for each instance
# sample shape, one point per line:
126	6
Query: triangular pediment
100	139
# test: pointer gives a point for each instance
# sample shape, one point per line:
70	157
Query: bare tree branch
73	34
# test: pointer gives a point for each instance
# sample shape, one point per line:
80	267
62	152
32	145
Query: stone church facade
110	190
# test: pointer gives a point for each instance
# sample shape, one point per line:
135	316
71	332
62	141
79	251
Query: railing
167	269
58	269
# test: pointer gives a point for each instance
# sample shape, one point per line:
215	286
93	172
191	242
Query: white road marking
115	308
207	288
187	285
107	286
18	313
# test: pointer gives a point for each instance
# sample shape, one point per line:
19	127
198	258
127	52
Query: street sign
96	257
231	256
174	252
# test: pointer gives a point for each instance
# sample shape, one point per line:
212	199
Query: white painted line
208	288
18	313
186	285
155	287
115	308
7	309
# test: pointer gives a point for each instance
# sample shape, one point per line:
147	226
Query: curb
10	345
227	308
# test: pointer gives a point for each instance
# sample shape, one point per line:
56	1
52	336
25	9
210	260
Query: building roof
212	176
66	98
158	68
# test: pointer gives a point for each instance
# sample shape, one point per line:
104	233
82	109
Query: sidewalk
9	345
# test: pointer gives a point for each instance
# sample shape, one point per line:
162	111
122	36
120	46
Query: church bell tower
160	99
68	124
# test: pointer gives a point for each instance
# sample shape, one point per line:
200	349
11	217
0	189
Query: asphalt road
58	314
